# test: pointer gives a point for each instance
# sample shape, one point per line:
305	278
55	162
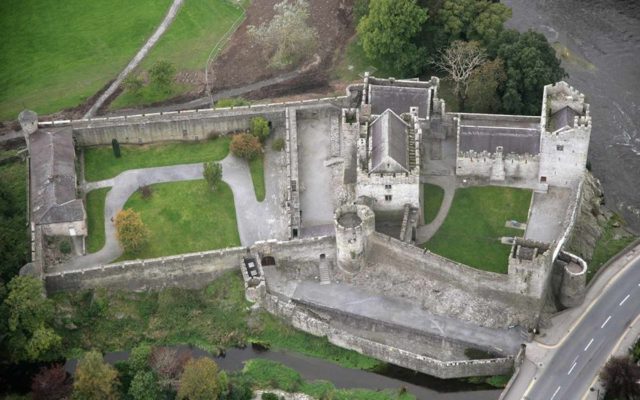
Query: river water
422	386
605	33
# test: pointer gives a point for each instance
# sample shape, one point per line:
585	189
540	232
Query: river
422	386
605	33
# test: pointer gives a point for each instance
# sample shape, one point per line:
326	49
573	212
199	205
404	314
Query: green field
100	162
256	166
433	195
472	230
198	27
185	217
56	54
214	318
95	219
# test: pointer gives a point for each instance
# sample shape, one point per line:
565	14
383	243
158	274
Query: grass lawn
355	63
56	54
95	219
184	217
608	246
198	27
100	162
214	318
472	230
257	176
433	195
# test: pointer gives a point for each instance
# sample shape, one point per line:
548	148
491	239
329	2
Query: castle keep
343	258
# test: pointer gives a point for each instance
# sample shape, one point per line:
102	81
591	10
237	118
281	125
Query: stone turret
354	224
29	123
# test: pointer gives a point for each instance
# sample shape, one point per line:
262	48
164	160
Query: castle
344	263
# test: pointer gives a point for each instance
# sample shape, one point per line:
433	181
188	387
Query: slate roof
399	99
53	178
389	142
563	117
516	137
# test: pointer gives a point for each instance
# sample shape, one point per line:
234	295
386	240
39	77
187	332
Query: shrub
260	128
65	247
130	230
116	148
199	381
145	192
162	74
245	146
270	396
133	84
212	173
278	144
51	384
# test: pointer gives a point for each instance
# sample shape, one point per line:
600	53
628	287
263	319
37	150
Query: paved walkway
448	183
235	172
168	19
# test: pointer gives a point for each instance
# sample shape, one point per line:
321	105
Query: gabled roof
389	143
563	117
399	99
53	178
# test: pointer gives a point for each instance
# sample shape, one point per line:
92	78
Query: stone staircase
497	167
325	275
412	149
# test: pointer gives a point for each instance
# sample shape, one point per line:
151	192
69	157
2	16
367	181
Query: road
579	356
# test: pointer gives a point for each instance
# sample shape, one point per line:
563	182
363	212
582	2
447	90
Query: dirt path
168	19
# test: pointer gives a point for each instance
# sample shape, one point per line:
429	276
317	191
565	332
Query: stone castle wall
521	168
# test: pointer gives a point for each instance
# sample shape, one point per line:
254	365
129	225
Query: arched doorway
268	260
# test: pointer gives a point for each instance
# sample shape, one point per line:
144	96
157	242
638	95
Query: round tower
354	224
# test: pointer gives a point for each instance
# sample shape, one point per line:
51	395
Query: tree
388	35
530	63
29	334
212	173
260	128
480	20
245	146
115	146
130	230
485	83
139	358
460	60
162	74
620	377
168	364
199	381
144	386
95	379
288	37
51	383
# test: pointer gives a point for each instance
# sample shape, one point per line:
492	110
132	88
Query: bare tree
288	37
459	61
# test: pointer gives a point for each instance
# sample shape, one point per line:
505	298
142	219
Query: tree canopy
388	34
212	173
29	314
480	20
95	379
130	230
199	380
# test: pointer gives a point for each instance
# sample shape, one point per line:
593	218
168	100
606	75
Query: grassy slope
354	63
95	219
197	28
101	164
608	246
213	318
185	217
56	54
13	179
472	230
433	195
256	167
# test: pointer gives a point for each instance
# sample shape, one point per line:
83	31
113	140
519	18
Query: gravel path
235	172
168	19
448	183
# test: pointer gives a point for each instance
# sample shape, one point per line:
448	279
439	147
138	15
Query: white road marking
605	322
556	392
591	341
572	367
623	300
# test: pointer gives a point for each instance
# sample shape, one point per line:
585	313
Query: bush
260	128
270	396
145	192
162	74
212	173
116	148
245	146
130	230
278	144
65	247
